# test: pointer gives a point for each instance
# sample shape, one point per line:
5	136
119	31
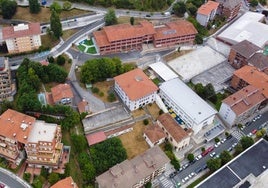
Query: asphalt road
10	181
256	124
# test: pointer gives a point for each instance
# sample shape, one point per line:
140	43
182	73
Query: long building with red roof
135	89
22	37
125	37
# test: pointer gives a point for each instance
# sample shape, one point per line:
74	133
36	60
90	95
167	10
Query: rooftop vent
25	137
14	134
138	78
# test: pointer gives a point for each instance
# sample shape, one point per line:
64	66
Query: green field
91	50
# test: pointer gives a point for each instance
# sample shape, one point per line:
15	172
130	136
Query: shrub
95	90
146	122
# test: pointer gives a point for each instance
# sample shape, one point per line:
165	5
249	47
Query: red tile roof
32	29
65	183
173	128
154	133
95	138
254	77
135	84
15	125
61	91
83	106
207	8
244	99
175	29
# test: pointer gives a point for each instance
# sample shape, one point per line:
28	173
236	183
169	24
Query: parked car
230	149
198	170
249	134
223	140
173	174
254	131
210	149
234	144
198	157
212	154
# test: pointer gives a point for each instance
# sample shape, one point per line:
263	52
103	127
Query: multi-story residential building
41	141
229	8
44	147
61	94
176	135
241	105
135	173
135	89
174	33
249	75
260	61
65	183
154	135
125	37
190	108
22	38
7	87
241	52
207	12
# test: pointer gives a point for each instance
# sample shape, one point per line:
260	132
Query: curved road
12	180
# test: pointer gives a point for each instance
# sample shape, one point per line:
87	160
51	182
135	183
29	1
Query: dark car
148	15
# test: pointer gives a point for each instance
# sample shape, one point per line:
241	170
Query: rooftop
154	133
42	131
254	77
194	106
259	60
240	167
15	125
174	129
207	8
83	106
135	84
244	99
163	71
247	27
245	48
61	91
175	29
65	183
130	172
229	3
95	138
21	30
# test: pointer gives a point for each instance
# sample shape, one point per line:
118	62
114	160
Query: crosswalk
237	134
165	183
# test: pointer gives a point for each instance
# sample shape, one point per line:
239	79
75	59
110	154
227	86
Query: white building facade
192	109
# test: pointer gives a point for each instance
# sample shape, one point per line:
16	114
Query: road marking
234	173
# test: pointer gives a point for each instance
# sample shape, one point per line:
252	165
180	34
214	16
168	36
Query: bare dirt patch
104	88
138	112
154	110
134	142
176	54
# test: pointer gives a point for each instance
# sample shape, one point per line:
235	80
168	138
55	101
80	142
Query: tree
148	185
246	142
9	8
67	5
168	146
254	3
191	8
203	149
263	2
146	122
60	60
190	157
216	139
110	17
89	172
34	6
225	157
55	24
56	7
260	133
214	164
80	143
132	20
199	89
179	8
53	178
227	134
238	149
209	91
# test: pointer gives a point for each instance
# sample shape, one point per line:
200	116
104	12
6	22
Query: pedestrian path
237	134
165	182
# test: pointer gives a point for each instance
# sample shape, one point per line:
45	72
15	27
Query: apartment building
60	94
229	8
176	135
190	108
135	89
7	87
22	37
241	105
65	183
207	12
125	37
249	75
135	173
41	141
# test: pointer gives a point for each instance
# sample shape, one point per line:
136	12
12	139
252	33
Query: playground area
87	46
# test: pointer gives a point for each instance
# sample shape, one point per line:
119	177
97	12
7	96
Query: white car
193	174
186	178
182	181
223	140
216	145
198	157
234	144
212	154
249	134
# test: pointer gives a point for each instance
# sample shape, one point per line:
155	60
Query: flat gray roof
163	71
193	105
42	131
252	161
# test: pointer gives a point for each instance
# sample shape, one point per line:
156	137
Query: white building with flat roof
163	71
191	108
247	27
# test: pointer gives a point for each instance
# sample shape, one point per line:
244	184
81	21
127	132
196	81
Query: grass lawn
126	19
48	41
81	47
91	50
68	33
133	141
23	13
104	87
154	110
88	42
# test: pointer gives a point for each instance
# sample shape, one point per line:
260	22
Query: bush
146	122
101	94
60	60
27	177
95	90
217	139
67	5
111	97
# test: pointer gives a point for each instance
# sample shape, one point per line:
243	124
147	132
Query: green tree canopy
110	17
53	178
55	24
246	142
179	8
80	143
56	7
9	8
34	6
132	20
214	164
190	157
67	5
225	157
